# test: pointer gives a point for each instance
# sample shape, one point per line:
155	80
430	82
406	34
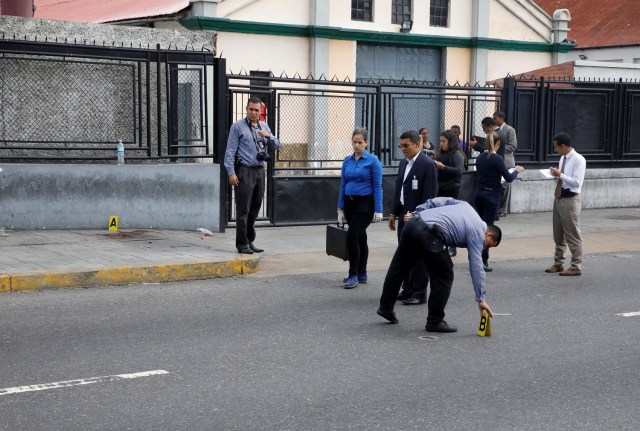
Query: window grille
361	10
439	13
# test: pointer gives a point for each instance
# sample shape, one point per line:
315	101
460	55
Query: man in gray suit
509	142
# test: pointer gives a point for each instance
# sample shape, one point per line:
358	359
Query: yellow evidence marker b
113	223
484	328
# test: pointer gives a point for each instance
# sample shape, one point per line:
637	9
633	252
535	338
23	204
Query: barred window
439	14
361	10
400	11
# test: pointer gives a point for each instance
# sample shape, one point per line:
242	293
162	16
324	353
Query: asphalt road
301	353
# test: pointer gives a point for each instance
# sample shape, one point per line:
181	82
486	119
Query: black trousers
359	213
416	280
487	205
248	196
416	244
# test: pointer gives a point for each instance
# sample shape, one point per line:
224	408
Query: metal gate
314	120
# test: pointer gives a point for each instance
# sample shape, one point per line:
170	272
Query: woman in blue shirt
491	169
359	204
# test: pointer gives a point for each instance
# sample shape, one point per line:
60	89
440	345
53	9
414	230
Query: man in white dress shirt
566	206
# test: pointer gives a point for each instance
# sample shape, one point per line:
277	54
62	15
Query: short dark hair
488	121
499	114
254	99
411	135
563	139
496	232
455	126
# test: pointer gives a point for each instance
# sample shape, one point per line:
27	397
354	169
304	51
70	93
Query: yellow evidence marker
484	328
113	223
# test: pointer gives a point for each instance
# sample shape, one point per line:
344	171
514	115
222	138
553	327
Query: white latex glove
377	217
341	218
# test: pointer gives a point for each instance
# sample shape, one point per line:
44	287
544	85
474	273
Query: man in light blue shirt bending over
435	225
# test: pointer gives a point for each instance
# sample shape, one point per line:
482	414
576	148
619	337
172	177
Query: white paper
546	173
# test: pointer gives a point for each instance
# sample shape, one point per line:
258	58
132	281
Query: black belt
435	232
358	198
567	193
252	167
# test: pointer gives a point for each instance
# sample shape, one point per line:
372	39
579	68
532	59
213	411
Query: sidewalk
52	259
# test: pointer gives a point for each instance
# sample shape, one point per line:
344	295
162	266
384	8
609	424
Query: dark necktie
559	183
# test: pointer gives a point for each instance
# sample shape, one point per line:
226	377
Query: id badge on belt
414	183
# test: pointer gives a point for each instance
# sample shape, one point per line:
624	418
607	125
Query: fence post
221	101
508	102
541	116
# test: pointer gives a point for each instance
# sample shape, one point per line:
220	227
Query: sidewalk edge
128	275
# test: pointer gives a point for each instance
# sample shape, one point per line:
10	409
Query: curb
127	275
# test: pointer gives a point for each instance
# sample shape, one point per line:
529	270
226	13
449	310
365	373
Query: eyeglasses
404	145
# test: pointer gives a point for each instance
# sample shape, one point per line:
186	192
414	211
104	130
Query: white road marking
79	382
632	314
502	314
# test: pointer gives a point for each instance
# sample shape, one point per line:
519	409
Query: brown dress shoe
556	267
571	271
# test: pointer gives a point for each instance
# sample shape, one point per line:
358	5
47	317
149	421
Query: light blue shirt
361	177
461	226
244	141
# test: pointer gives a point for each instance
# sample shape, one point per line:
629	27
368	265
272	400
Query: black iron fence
602	117
63	102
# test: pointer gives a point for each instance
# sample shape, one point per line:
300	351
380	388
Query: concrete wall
104	34
90	102
603	188
180	196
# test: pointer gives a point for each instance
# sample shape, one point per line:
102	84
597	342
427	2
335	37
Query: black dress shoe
487	268
404	295
440	327
255	249
413	301
389	315
245	250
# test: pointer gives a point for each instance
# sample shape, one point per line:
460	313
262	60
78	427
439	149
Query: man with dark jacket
417	181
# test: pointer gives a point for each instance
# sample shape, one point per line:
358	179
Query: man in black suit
417	181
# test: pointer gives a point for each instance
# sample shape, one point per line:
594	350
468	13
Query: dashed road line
79	382
631	314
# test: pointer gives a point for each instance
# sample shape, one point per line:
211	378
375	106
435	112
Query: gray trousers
566	230
505	197
248	201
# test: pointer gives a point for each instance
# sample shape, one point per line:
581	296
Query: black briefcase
337	241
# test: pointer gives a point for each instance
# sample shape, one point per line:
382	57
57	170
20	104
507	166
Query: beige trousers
566	230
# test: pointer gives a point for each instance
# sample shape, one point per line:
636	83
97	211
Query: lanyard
253	135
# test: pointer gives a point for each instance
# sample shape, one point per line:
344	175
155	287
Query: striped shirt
461	226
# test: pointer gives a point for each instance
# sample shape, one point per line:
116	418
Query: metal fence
63	102
602	117
314	120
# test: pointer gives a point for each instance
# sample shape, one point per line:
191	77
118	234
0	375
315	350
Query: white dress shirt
573	175
410	163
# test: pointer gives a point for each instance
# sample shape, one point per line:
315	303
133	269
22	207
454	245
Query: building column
319	66
560	31
480	29
206	8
